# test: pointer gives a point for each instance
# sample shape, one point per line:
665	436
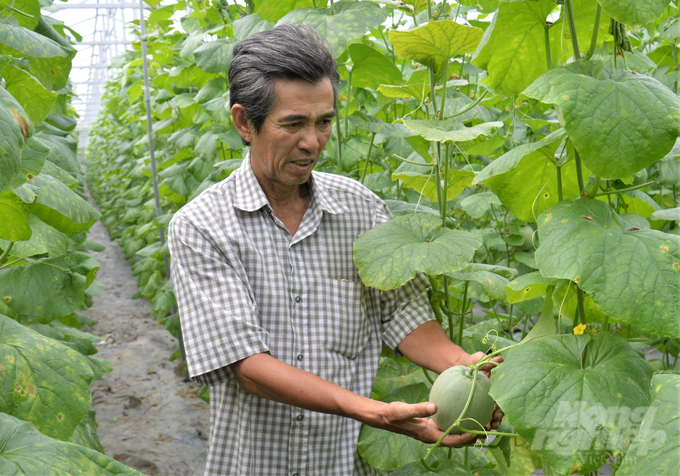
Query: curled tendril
487	337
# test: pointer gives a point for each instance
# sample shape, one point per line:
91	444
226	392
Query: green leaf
374	124
215	57
390	254
392	374
529	286
33	97
43	239
619	121
28	14
655	448
385	450
26	452
436	42
667	214
11	140
492	278
250	24
545	327
46	288
62	152
449	130
85	433
274	10
60	207
43	381
427	183
513	47
634	12
447	468
419	91
525	178
19	41
33	157
479	204
14	225
632	275
351	21
372	68
574	398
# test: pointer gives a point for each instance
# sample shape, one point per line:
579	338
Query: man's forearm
268	377
430	347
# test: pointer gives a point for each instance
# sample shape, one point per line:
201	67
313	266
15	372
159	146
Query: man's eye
325	124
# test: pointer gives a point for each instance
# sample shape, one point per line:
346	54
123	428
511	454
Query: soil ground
149	418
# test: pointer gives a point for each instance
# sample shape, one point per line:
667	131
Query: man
274	315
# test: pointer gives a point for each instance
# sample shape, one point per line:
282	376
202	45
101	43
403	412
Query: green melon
450	392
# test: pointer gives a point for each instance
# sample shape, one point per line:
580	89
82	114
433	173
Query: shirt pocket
346	321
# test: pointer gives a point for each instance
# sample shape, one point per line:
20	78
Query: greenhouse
318	237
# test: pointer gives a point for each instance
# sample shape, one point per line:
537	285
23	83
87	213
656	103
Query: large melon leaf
347	21
27	452
43	381
436	42
390	254
656	448
632	274
619	121
574	398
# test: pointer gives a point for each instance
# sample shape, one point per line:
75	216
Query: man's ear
238	114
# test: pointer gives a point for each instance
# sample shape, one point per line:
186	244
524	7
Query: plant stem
6	252
572	29
547	47
349	93
596	28
339	135
446	76
579	174
462	316
581	305
368	158
623	190
560	195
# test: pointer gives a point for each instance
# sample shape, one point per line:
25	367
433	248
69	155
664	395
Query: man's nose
309	140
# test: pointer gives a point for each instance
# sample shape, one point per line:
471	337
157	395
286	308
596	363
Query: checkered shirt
245	286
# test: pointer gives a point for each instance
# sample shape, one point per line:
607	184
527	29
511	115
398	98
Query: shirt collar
250	197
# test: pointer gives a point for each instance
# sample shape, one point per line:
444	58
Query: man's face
293	134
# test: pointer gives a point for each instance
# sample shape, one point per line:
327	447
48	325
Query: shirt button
298	299
295	474
299	357
300	417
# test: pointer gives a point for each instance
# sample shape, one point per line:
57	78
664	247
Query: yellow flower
579	329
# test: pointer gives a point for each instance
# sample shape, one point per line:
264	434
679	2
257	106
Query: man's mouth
303	163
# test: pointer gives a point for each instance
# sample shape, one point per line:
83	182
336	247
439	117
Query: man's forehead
298	99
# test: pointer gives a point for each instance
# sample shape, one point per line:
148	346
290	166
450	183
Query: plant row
528	150
46	272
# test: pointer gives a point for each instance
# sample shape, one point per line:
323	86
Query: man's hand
486	370
413	420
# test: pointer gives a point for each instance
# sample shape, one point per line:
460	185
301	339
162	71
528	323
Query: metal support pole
147	100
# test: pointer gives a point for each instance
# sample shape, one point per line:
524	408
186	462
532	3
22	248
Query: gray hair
284	52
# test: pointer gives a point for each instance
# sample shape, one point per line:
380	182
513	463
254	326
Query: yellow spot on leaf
664	249
566	98
548	217
39	346
10	358
7	298
676	265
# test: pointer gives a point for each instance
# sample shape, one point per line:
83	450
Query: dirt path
148	417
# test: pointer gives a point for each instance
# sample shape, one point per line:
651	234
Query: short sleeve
216	306
406	308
